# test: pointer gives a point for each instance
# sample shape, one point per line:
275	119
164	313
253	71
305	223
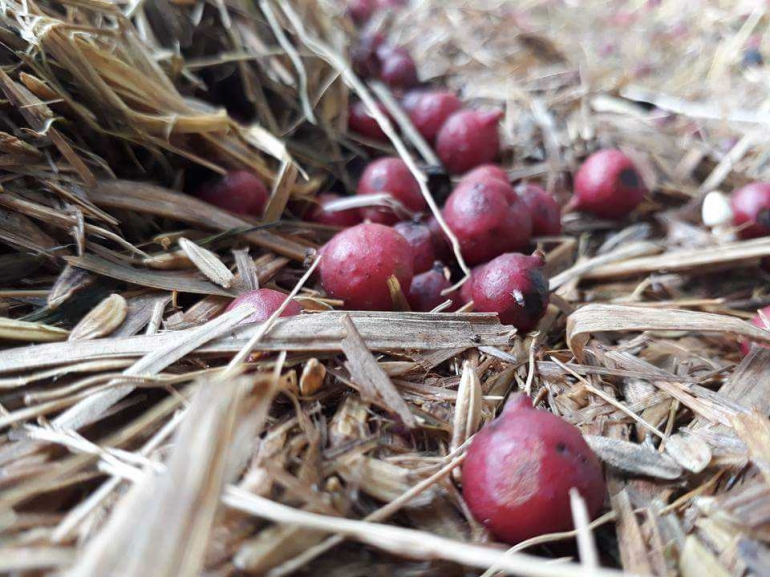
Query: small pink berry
469	138
266	302
240	192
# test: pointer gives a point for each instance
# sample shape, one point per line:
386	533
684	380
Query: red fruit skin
757	321
364	55
608	185
751	210
486	172
361	123
397	68
425	294
357	262
341	218
441	244
266	302
420	239
360	11
519	469
391	175
430	110
546	212
466	291
488	219
239	192
468	139
514	287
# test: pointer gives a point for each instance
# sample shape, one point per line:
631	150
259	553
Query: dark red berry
608	185
761	320
468	139
520	468
425	294
514	287
441	245
266	302
751	210
419	237
430	110
397	68
466	291
390	175
486	172
361	11
357	263
239	191
364	55
546	213
488	219
360	122
341	218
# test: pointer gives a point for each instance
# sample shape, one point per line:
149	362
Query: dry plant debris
144	432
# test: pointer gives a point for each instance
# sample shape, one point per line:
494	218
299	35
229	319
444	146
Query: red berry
430	110
390	175
486	172
468	139
513	286
762	323
488	219
546	213
425	294
751	209
357	263
466	291
608	185
239	191
420	239
441	245
266	302
397	68
364	55
520	468
341	218
362	10
360	122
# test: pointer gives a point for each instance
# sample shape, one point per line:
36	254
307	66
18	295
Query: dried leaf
467	408
634	458
690	452
696	560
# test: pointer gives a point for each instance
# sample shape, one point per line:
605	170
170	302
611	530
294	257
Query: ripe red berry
360	122
357	263
429	111
751	209
364	55
266	302
239	191
546	213
397	68
425	294
608	185
420	239
362	10
468	139
390	175
488	219
466	291
441	245
520	468
341	218
486	172
514	287
763	322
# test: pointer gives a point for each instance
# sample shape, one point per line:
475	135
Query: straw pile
143	434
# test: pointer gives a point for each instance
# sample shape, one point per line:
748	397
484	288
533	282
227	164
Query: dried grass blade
599	318
754	429
634	458
176	508
13	330
374	385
